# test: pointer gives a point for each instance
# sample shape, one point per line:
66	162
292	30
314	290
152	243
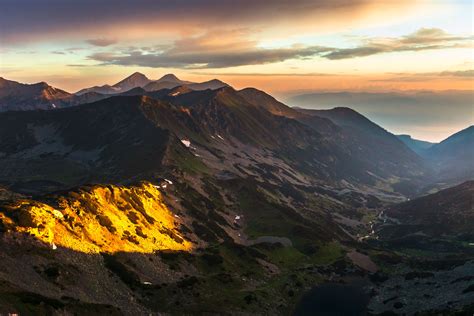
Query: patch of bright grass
328	253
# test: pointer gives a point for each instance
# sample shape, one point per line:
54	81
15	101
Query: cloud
65	51
102	42
234	48
344	53
204	60
426	76
79	65
429	36
211	50
255	74
74	49
458	73
409	78
423	39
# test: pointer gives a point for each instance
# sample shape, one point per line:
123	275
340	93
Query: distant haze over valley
426	115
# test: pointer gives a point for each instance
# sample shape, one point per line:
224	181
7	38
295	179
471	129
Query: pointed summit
170	78
168	81
136	75
213	84
137	79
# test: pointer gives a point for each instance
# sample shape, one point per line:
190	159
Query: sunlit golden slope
99	219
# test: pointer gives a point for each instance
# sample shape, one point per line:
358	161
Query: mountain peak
136	79
262	99
217	81
42	84
170	78
136	76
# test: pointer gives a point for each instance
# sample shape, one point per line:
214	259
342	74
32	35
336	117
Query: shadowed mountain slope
262	99
440	218
15	96
453	158
79	144
418	146
88	137
372	144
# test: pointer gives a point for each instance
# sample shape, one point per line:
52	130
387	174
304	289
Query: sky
280	46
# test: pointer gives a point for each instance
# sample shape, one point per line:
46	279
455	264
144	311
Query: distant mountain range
453	158
139	80
418	146
389	109
15	96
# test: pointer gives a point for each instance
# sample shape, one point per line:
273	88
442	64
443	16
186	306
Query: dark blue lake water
333	299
